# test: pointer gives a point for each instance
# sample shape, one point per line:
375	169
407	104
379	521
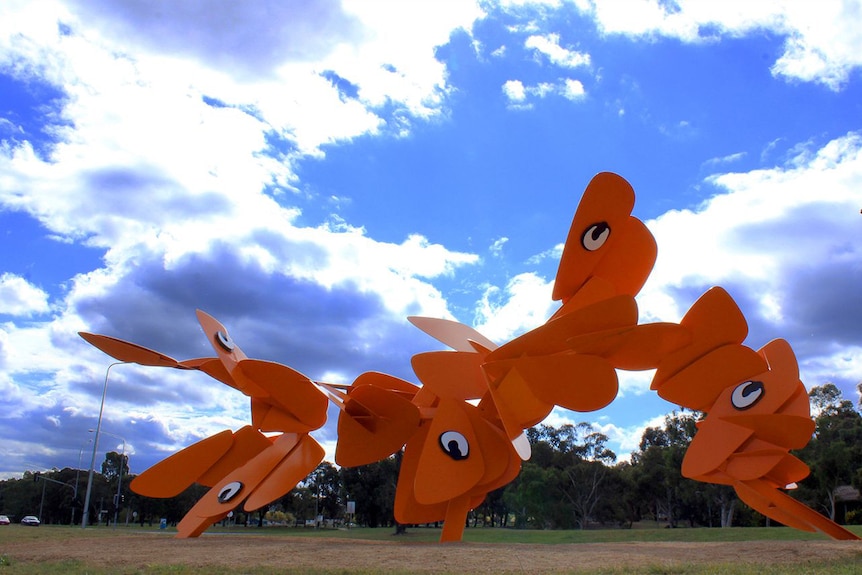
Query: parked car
4	520
30	520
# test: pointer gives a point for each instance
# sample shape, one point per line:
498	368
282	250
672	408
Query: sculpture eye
229	491
747	394
225	341
595	236
454	445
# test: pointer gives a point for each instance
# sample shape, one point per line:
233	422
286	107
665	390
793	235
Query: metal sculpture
462	430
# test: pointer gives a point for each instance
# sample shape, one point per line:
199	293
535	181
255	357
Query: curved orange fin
628	264
172	475
451	374
783	508
502	463
553	336
454	334
570	380
596	230
288	389
226	349
592	292
749	465
242	481
267	417
699	385
293	468
247	443
517	406
213	367
385	381
714	321
786	431
193	525
374	424
127	351
713	444
633	348
407	508
451	462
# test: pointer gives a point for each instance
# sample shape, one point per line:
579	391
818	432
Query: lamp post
86	516
77	476
120	479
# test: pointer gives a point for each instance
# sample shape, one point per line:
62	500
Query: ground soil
242	551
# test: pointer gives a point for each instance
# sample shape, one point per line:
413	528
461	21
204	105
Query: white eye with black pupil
229	491
595	236
747	394
454	445
225	341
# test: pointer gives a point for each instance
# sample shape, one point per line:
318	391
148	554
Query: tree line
572	481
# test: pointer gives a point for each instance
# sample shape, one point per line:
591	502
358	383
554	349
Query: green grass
848	567
64	534
646	533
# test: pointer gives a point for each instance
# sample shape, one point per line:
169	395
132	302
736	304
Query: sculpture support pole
456	519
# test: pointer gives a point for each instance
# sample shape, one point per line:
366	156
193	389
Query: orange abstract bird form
756	408
571	360
745	440
462	429
245	467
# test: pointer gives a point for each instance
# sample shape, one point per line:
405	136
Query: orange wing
271	473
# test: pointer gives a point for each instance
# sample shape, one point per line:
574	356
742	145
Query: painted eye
454	445
229	491
595	236
747	394
225	341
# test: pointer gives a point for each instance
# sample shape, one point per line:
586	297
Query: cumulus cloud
784	241
549	46
822	41
518	94
173	153
18	297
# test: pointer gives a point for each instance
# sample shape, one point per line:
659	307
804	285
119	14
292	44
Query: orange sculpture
245	467
756	408
462	430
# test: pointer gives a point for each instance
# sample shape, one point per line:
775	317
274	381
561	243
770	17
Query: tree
115	465
372	487
585	471
657	469
528	496
834	454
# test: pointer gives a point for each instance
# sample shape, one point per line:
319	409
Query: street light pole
86	516
120	480
77	476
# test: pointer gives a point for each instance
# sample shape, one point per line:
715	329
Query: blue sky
312	173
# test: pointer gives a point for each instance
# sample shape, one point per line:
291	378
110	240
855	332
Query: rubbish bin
163	523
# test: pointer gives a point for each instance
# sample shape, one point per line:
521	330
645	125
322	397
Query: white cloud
515	91
549	46
174	153
518	94
573	89
496	248
524	303
823	43
785	243
18	297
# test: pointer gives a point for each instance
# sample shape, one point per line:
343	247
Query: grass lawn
270	550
